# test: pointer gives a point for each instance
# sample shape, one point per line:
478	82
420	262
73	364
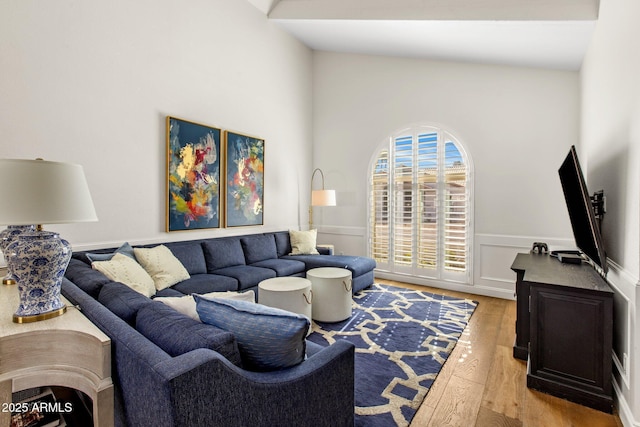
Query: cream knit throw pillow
162	265
124	269
303	242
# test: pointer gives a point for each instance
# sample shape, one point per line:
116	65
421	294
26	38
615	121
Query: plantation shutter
419	206
455	242
379	217
427	235
403	198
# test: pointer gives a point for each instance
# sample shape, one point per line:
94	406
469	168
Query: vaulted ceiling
544	33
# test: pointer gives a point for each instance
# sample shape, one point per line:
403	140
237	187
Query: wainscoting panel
493	255
622	320
490	261
346	240
626	360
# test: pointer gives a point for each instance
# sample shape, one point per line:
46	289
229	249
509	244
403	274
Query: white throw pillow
303	242
187	305
124	269
162	265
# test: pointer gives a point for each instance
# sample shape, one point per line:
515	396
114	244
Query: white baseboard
448	285
624	411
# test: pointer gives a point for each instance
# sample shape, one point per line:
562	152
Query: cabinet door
571	338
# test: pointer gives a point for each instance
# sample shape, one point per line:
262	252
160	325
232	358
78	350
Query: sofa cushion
190	255
282	267
268	338
187	305
123	269
259	247
203	283
168	292
303	242
177	334
222	253
125	249
246	275
123	301
283	243
86	278
163	267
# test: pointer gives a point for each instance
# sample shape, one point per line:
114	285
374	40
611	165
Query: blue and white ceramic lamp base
7	236
38	260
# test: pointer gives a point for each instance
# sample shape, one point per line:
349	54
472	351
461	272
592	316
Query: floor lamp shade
41	192
323	198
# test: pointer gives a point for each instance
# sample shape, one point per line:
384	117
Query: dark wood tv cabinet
564	328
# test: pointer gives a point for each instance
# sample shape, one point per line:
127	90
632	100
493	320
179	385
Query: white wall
91	82
610	129
517	124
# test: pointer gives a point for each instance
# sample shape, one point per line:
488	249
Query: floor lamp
320	197
41	192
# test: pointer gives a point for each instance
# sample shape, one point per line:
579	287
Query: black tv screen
586	229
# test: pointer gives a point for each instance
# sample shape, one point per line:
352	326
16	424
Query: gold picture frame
244	180
193	176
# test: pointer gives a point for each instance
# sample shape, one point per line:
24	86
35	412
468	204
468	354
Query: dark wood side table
564	328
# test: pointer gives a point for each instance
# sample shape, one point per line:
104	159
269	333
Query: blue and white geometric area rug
402	338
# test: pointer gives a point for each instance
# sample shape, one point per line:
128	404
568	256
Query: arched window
420	206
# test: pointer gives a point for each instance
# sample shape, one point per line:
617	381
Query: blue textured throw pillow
125	249
268	338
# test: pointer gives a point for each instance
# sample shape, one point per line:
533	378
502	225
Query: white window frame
440	273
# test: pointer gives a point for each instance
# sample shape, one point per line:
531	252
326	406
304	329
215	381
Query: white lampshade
43	192
323	198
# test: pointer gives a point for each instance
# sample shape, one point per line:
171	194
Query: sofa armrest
325	249
219	393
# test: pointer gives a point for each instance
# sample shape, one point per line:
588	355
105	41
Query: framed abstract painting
244	180
193	175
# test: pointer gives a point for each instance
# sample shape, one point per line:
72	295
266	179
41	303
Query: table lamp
41	192
320	197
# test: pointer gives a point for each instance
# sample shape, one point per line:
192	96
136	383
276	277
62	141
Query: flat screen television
586	229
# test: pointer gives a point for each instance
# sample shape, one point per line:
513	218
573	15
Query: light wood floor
483	385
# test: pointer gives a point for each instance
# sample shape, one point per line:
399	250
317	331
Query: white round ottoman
331	293
288	293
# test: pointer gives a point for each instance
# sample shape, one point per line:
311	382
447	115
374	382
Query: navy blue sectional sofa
171	370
